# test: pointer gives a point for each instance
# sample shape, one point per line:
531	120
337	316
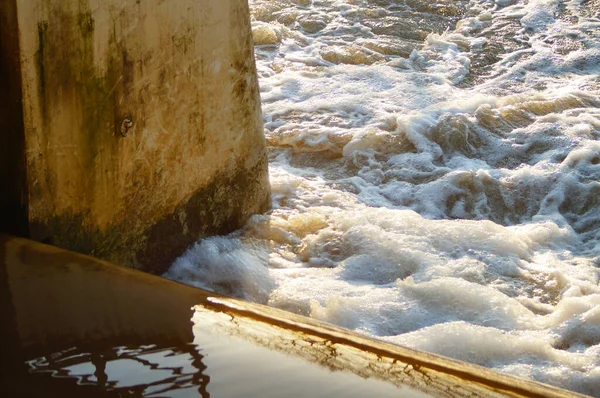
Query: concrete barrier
59	310
131	128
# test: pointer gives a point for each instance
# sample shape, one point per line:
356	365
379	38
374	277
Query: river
435	168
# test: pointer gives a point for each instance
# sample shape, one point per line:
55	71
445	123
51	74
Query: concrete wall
141	123
13	184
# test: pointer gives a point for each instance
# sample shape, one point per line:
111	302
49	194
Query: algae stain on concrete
69	78
194	162
41	73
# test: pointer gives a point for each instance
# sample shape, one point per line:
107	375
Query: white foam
539	14
424	198
226	266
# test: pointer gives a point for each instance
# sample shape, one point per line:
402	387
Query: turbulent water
435	168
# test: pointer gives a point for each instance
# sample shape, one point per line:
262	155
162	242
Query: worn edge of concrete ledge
488	379
496	381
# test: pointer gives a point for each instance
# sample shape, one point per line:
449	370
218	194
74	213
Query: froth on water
435	168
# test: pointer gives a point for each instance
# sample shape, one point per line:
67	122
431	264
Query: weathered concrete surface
193	161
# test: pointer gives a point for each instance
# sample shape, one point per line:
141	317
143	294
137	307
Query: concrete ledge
53	299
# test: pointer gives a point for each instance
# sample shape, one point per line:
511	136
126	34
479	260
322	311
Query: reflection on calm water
241	358
130	371
72	326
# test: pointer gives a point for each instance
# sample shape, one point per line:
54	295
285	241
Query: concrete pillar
131	128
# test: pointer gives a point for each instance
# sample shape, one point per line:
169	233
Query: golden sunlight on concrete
130	129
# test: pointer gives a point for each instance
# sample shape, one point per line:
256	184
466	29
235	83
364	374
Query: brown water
74	326
215	365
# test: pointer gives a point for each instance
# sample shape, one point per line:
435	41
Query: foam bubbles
225	266
539	14
434	169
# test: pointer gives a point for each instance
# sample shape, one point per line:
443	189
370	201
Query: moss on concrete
218	208
194	161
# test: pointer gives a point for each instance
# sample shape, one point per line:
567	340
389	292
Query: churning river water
435	168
